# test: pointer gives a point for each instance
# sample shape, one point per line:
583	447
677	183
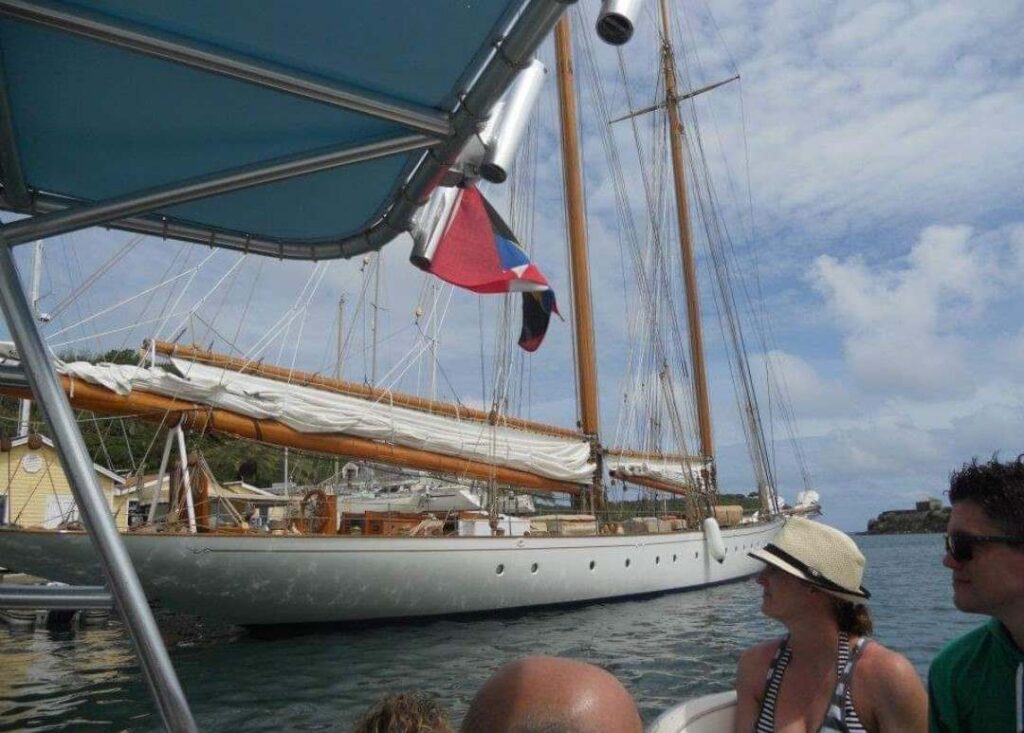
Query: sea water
664	649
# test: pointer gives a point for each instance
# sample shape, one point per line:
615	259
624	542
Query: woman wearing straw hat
825	675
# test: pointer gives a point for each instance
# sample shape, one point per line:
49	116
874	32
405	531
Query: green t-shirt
973	683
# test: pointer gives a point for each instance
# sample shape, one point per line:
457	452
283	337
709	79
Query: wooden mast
700	380
578	260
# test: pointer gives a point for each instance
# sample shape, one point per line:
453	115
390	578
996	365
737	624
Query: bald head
552	695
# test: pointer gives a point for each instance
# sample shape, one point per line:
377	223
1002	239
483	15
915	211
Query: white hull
708	714
265	579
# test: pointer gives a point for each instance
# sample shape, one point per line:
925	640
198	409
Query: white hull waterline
260	579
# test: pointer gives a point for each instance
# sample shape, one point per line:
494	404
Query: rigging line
223	300
749	387
76	264
128	445
180	253
233	343
109	332
282	323
404	362
426	343
170	293
726	299
300	304
357	311
116	306
729	301
411	356
648	427
195	307
624	208
305	314
651	297
217	334
393	335
483	370
58	309
255	352
103	443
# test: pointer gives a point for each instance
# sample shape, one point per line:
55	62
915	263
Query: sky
868	164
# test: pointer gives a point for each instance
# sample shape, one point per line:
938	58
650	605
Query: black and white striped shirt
840	717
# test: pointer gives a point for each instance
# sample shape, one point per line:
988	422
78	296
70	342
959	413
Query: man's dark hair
997	487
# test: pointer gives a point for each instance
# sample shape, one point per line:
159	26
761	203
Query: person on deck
551	695
825	675
976	683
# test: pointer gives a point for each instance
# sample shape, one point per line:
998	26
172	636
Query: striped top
840	717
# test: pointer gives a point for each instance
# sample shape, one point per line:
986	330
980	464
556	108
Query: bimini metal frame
443	135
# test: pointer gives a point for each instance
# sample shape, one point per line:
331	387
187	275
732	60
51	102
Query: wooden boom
353	389
652	483
649	455
203	418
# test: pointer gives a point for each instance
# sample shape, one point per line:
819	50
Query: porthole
627	562
500	569
533	568
593	564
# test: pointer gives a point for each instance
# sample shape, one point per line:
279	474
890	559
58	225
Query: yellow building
34	492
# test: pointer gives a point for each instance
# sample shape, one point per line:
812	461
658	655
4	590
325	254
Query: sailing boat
298	578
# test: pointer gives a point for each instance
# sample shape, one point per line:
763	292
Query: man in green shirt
976	684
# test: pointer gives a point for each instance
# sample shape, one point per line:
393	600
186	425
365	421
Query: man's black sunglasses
960	546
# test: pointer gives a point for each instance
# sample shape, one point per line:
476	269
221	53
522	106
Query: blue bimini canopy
305	130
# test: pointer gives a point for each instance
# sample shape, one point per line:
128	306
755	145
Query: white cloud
811	395
902	324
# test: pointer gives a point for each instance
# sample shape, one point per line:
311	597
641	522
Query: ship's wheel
313	510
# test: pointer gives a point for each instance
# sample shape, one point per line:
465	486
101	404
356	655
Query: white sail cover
671	471
310	410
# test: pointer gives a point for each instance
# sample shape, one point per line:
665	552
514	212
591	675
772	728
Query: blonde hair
405	712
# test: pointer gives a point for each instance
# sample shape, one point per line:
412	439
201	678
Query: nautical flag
479	252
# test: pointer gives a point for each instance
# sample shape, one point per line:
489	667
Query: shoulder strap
773	681
846	660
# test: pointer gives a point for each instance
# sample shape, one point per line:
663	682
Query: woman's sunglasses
961	546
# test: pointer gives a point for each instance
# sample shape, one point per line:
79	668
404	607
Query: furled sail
672	473
314	411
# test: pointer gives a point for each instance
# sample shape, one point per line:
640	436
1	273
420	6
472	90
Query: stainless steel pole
142	202
25	407
55	598
121	578
159	485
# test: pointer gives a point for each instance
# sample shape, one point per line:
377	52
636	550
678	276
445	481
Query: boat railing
56	597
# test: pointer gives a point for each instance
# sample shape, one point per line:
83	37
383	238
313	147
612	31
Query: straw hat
820	555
